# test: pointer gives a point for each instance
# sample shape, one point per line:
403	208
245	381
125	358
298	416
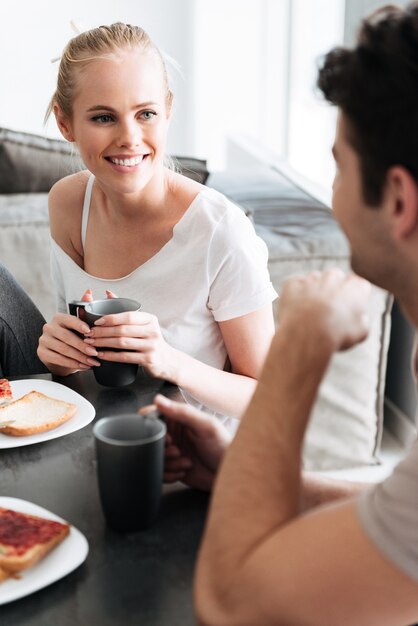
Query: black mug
109	373
130	463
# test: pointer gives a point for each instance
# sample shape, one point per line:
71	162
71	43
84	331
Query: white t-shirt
388	512
213	269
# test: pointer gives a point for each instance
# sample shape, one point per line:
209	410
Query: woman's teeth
127	162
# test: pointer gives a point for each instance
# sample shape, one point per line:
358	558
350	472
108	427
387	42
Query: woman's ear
402	196
63	124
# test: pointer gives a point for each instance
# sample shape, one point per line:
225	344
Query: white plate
62	560
83	416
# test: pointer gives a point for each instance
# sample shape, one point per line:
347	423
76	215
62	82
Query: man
263	560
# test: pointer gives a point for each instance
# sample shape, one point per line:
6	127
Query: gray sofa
301	235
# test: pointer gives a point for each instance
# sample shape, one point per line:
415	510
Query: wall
34	32
225	85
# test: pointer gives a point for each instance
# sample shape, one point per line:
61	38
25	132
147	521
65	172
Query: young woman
130	226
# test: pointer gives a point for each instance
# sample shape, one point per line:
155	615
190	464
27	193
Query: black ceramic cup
76	307
110	374
130	462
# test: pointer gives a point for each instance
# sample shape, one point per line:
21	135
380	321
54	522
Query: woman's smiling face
120	118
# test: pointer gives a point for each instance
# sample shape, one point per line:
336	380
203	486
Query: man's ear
63	124
402	196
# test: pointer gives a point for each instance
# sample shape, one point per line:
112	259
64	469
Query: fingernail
91	351
93	362
99	321
85	330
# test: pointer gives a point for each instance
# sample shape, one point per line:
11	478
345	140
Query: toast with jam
6	395
25	540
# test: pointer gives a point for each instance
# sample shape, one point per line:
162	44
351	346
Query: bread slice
34	413
25	539
5	392
3	575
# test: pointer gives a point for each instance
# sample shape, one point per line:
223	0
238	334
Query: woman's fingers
87	296
65	355
129	318
59	343
121	343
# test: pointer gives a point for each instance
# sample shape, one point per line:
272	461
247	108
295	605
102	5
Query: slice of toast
25	539
5	392
34	413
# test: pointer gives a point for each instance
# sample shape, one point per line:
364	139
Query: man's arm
317	490
261	561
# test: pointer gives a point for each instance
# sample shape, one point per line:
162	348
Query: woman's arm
247	340
60	348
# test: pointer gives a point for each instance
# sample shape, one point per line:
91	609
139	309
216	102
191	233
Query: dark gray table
141	579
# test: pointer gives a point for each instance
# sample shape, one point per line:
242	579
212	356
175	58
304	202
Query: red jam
21	532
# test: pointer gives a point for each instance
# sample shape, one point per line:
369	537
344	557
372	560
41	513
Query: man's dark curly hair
375	85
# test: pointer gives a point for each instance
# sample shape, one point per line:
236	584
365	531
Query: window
315	28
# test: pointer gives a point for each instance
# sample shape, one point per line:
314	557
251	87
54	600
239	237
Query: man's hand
331	305
195	444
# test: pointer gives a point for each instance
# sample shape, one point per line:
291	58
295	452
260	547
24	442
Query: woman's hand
138	338
61	349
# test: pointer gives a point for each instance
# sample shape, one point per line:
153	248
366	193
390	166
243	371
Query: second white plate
62	560
84	415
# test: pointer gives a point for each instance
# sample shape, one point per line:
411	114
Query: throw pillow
32	163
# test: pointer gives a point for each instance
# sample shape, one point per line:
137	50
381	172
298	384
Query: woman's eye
102	119
148	115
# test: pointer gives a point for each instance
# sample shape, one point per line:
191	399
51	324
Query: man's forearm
259	485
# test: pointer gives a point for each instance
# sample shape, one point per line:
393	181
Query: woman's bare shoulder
185	189
65	203
66	192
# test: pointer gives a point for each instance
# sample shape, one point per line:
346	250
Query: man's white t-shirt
388	512
213	269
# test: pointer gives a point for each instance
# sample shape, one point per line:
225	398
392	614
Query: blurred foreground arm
262	561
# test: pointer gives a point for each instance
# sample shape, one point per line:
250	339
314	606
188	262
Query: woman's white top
214	268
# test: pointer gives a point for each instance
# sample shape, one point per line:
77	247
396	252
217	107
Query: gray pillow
32	163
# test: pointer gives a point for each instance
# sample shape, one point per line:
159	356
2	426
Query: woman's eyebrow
105	107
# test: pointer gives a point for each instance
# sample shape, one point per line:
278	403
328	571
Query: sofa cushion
33	163
302	235
25	245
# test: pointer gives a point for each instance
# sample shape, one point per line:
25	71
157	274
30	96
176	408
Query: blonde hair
95	44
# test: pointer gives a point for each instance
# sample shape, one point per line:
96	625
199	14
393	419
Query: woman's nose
129	134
